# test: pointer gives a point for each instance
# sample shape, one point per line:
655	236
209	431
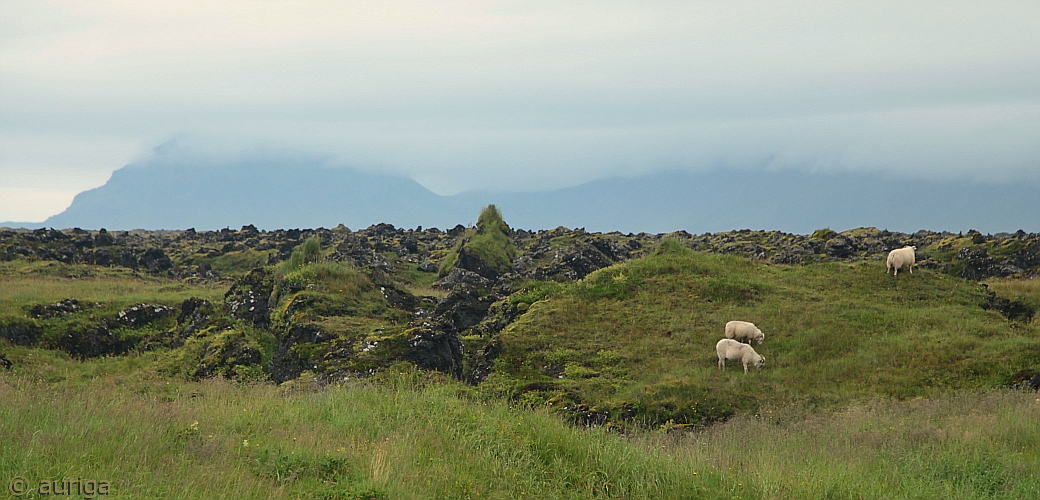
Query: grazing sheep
900	257
732	350
743	331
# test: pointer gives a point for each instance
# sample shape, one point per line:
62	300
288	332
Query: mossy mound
487	250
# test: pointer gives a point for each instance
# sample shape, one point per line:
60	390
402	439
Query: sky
486	95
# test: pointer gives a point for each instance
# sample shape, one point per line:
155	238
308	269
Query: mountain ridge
168	192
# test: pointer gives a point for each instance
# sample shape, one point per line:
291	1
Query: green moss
236	263
535	291
824	234
492	242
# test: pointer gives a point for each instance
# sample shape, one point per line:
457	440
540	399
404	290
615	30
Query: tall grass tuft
308	252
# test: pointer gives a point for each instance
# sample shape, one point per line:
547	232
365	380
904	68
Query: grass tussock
308	252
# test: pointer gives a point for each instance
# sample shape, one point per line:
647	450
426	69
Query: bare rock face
139	315
472	262
840	247
458	276
91	341
286	363
155	261
435	350
60	308
464	307
249	298
194	312
22	332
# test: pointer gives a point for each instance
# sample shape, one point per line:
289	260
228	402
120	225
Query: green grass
47	282
1025	291
236	263
406	434
835	333
329	289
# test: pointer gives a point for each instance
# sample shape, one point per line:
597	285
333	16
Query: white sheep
732	350
900	257
743	331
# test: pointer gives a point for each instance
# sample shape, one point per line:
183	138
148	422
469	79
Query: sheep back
743	331
899	258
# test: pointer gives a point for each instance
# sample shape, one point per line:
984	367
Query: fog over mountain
527	95
175	189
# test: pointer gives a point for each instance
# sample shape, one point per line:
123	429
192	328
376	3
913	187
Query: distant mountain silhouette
268	192
791	201
271	191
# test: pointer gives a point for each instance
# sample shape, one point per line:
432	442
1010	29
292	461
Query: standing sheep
732	350
900	257
743	331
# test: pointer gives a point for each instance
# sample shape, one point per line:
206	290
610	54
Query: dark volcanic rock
62	308
287	364
612	250
464	307
249	298
787	258
194	312
978	265
399	298
840	247
155	261
103	239
5	363
222	359
436	350
1028	378
142	314
458	275
94	340
98	257
571	263
1010	309
22	332
472	262
482	362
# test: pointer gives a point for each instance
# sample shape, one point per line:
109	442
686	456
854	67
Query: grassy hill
638	338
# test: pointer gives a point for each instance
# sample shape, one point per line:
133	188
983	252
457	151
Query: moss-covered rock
225	353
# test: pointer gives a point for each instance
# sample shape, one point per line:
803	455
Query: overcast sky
527	94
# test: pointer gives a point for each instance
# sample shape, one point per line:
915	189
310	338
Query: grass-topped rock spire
487	250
